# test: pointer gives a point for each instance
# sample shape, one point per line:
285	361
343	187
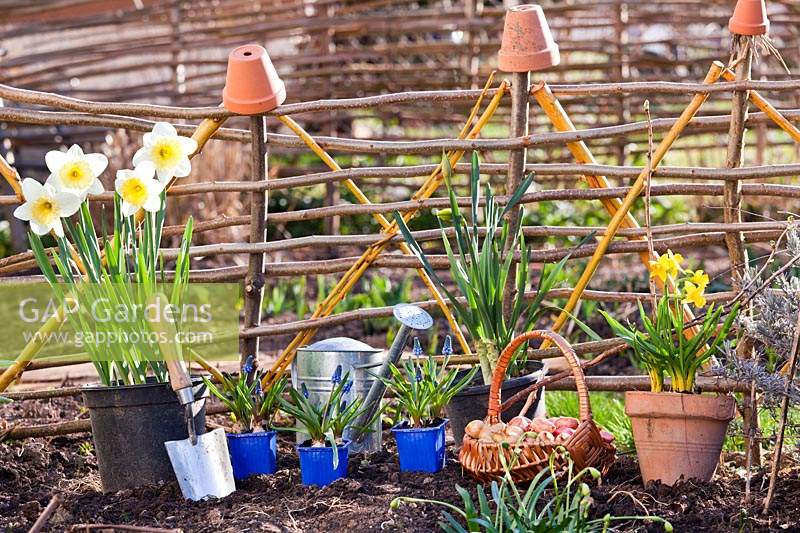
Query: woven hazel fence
606	108
707	183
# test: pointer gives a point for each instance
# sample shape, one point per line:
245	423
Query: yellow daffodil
699	278
76	172
45	206
694	294
167	151
139	189
675	261
660	269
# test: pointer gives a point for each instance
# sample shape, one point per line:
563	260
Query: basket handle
585	410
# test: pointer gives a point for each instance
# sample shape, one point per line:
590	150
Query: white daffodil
168	151
76	172
139	189
45	206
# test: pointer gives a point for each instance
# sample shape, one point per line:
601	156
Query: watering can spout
411	318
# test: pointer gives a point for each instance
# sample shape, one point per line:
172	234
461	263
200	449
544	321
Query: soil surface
31	472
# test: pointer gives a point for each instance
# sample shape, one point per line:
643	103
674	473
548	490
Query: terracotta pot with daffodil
113	269
678	432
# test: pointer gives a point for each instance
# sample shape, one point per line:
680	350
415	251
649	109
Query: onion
499	437
521	422
546	437
567	422
474	428
542	424
514	433
565	433
606	436
497	428
485	434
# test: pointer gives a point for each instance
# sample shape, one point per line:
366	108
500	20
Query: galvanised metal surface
315	364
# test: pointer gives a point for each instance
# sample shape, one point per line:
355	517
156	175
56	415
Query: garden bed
33	470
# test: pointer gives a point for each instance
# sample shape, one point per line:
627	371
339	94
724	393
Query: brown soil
33	470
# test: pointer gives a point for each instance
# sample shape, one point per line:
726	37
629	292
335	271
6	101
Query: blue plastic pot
316	464
420	449
253	453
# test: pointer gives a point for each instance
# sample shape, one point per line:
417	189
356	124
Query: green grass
608	410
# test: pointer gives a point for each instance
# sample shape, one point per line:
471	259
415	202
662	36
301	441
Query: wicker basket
485	461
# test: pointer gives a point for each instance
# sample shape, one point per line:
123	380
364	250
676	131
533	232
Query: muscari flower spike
417	347
304	390
418	375
248	366
336	378
347	386
447	349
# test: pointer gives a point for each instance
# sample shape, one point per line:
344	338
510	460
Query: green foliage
423	388
132	271
481	268
665	347
552	503
662	347
608	411
250	406
326	423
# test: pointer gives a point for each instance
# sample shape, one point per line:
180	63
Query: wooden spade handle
585	410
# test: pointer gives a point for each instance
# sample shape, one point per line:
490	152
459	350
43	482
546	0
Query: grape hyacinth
447	349
417	351
336	378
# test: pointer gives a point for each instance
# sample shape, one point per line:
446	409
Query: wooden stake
520	82
254	281
732	202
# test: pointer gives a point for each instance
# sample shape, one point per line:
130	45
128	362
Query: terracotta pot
678	435
749	18
252	85
527	42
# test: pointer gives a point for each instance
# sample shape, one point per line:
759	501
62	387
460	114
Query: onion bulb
513	433
542	424
474	428
485	435
606	436
521	422
565	433
566	422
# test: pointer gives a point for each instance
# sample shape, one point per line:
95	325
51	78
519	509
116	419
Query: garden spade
411	318
201	462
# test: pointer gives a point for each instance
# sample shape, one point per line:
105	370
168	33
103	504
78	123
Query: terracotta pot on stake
527	42
749	18
678	436
253	87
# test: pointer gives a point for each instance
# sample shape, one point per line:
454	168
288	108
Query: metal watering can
315	364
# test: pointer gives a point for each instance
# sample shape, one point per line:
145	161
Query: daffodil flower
76	172
661	268
694	294
699	278
139	189
167	151
45	206
675	262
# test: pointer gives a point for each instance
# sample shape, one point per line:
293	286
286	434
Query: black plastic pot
130	425
471	403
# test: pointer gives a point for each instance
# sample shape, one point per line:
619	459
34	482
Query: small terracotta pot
252	85
749	18
678	435
527	42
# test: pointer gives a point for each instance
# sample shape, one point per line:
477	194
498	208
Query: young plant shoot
663	346
251	407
